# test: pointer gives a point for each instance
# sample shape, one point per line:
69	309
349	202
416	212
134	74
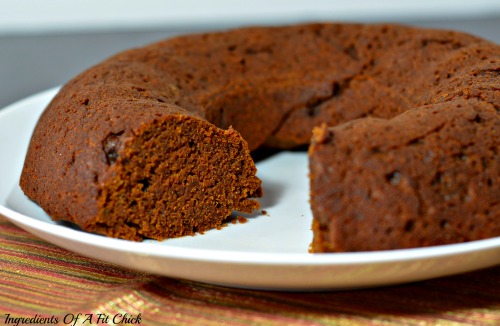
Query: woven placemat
41	283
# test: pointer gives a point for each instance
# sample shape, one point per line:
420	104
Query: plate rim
153	249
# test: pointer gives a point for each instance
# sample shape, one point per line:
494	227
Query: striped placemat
41	283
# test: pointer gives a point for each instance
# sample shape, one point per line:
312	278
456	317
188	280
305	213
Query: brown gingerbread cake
155	142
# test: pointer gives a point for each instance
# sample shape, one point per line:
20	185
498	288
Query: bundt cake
155	142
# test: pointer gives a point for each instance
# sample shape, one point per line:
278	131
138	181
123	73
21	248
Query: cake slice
169	175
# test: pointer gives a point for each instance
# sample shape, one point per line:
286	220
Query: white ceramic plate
267	252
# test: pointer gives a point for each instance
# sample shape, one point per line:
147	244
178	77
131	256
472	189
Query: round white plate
269	251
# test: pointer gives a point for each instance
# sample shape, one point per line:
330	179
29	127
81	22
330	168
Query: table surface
40	280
